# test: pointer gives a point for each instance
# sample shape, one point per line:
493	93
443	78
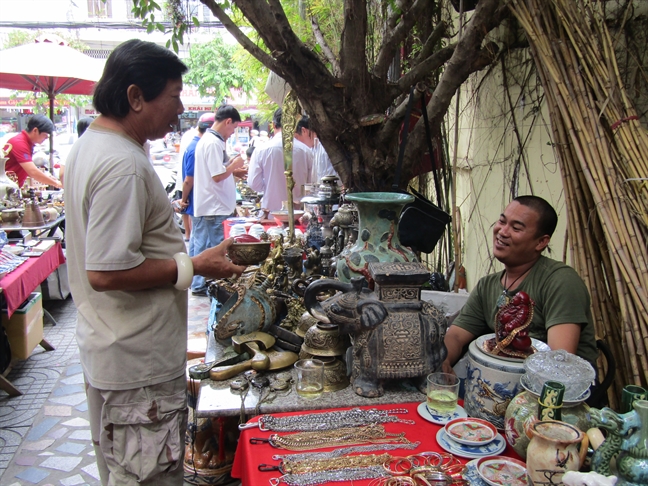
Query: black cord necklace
504	298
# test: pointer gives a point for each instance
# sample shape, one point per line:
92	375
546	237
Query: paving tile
42	428
81	435
77	422
33	475
57	433
61	463
82	408
58	410
71	400
71	448
25	460
91	470
41	445
12	436
74	369
74	380
68	390
72	480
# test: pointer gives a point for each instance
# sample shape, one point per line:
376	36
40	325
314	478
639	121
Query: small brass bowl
249	253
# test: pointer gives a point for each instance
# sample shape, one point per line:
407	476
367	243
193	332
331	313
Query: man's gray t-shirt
560	297
118	215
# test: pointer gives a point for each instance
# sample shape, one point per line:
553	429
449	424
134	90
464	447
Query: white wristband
185	271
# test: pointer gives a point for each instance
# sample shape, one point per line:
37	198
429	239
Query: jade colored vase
378	214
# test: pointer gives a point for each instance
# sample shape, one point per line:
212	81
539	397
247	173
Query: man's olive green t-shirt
560	297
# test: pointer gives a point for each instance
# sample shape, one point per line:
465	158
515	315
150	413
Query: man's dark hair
547	217
83	124
227	111
144	64
41	122
276	118
304	122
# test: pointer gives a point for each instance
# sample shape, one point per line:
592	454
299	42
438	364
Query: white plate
471	475
539	346
502	471
470	452
440	419
471	431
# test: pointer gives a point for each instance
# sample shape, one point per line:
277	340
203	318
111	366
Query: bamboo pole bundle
602	150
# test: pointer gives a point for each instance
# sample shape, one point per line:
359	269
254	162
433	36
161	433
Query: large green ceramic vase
378	214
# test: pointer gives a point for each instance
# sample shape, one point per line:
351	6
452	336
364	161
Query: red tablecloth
249	456
18	284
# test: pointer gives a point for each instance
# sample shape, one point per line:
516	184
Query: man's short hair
227	111
83	124
41	122
547	217
304	122
135	62
276	118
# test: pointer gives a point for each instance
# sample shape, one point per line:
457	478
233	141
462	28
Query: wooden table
16	286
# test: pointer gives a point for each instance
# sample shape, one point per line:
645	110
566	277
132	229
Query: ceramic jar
378	214
491	383
554	450
5	182
522	412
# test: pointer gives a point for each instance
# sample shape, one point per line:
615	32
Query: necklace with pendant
504	297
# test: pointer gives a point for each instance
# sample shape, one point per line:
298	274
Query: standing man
39	129
561	317
129	273
267	165
214	186
187	170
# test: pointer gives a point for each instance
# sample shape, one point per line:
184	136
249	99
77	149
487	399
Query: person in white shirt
214	189
322	165
266	172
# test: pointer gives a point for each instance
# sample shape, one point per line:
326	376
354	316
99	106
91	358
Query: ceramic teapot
627	436
394	334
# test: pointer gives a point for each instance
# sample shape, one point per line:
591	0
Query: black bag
422	223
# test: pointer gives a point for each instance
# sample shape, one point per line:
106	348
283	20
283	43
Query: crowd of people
129	270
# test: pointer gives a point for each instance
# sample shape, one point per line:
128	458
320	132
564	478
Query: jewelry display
301	441
346	462
342	451
313	479
328	420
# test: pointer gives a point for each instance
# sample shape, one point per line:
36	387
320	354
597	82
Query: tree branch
241	38
353	62
328	53
425	68
431	42
394	36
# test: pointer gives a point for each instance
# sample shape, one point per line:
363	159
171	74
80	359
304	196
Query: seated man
562	316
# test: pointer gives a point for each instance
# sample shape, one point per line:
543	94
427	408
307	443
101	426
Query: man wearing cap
188	163
39	128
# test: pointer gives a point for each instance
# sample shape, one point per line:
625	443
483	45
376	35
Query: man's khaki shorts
138	434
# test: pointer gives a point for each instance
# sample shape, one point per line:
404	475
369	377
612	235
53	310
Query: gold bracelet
185	271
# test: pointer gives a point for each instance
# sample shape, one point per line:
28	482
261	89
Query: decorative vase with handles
553	451
627	436
378	214
527	408
5	182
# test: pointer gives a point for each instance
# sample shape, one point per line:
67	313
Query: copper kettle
32	216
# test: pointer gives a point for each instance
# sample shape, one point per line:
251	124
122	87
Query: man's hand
240	173
236	163
213	262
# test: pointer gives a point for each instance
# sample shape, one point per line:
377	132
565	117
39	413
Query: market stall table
17	286
249	456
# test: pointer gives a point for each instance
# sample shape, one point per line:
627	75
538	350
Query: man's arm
235	168
564	336
212	263
37	174
455	340
255	173
187	187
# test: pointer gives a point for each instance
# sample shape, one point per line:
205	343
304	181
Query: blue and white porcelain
471	474
425	413
492	381
470	452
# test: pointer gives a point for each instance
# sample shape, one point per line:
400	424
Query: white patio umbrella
277	88
49	68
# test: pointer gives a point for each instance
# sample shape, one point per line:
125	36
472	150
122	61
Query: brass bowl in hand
249	253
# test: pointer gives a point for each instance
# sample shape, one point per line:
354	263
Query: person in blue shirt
188	163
